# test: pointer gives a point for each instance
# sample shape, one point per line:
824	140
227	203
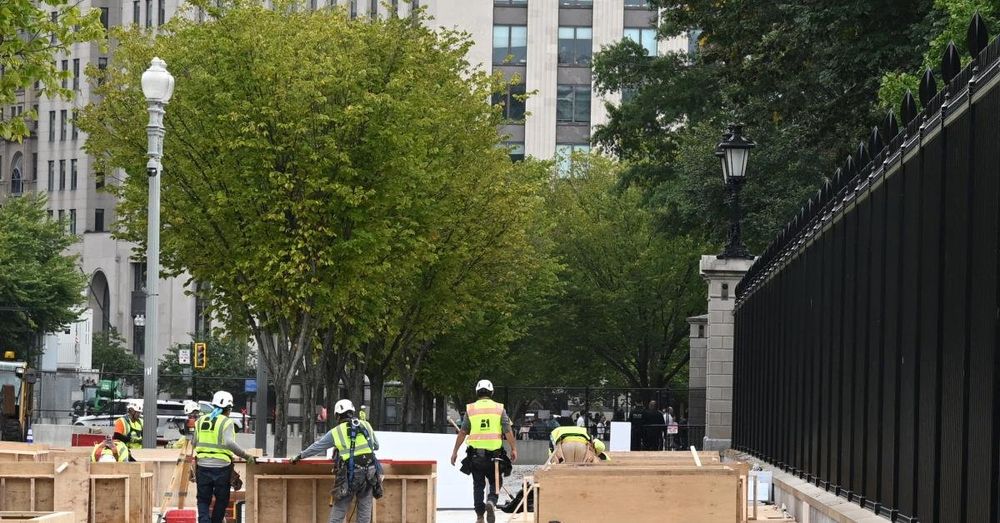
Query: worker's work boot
479	519
491	516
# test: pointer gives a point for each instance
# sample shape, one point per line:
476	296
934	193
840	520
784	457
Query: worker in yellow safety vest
214	449
128	428
569	443
483	429
109	451
359	475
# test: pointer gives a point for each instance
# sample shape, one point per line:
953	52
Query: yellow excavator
17	382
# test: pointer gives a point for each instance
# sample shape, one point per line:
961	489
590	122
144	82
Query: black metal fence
866	336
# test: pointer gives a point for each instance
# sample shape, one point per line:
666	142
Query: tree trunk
377	380
280	420
308	375
441	415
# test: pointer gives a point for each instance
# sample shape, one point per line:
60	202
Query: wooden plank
647	495
72	484
37	517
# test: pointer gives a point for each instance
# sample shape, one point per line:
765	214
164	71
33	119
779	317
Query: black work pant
213	482
481	475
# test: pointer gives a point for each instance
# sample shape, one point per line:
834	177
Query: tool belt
481	460
367	474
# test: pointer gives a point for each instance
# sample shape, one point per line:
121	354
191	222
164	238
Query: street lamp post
734	152
157	86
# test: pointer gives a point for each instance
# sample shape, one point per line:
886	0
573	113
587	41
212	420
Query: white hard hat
190	407
135	405
222	399
343	406
107	457
484	384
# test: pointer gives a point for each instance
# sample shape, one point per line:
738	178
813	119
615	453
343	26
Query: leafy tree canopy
31	35
110	356
41	288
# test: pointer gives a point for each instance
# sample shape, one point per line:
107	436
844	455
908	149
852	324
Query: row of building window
73	176
71	223
571	3
564	153
161	15
510	44
64	118
572	103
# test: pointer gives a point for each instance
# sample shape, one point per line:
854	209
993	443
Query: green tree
31	35
229	363
802	76
627	289
41	288
110	356
306	157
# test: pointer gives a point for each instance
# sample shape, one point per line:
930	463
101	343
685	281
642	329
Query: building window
373	10
104	18
72	221
512	101
62	215
52	126
575	45
73	132
573	103
16	185
202	319
65	74
162	15
510	44
52	175
516	150
98	220
644	4
76	74
62	125
49	213
564	155
135	12
72	174
149	13
99	180
354	9
55	20
34	167
515	3
62	175
576	3
646	37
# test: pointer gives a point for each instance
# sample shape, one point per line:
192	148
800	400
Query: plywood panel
72	483
692	495
26	486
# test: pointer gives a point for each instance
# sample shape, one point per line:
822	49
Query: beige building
548	44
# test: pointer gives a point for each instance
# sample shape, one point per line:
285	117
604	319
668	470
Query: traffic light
200	355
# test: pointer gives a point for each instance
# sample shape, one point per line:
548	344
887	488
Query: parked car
170	414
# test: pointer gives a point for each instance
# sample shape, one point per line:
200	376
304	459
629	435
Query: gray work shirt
325	443
228	434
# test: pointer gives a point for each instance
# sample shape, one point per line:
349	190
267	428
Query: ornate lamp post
157	86
734	152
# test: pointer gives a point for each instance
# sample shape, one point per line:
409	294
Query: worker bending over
109	451
358	474
569	443
128	428
214	448
192	411
485	424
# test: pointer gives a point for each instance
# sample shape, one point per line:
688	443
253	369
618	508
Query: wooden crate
162	462
27	487
37	517
285	493
120	493
585	494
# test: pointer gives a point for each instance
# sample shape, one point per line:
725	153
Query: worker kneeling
571	444
214	448
358	473
109	451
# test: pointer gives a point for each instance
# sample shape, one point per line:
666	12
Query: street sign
184	356
249	385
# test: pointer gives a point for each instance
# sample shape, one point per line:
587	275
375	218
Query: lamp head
157	83
735	153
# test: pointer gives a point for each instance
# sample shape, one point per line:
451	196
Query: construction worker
128	428
214	448
570	443
485	424
359	475
192	410
110	451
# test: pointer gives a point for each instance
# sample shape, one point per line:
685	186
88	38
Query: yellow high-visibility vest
132	430
342	440
211	443
485	430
